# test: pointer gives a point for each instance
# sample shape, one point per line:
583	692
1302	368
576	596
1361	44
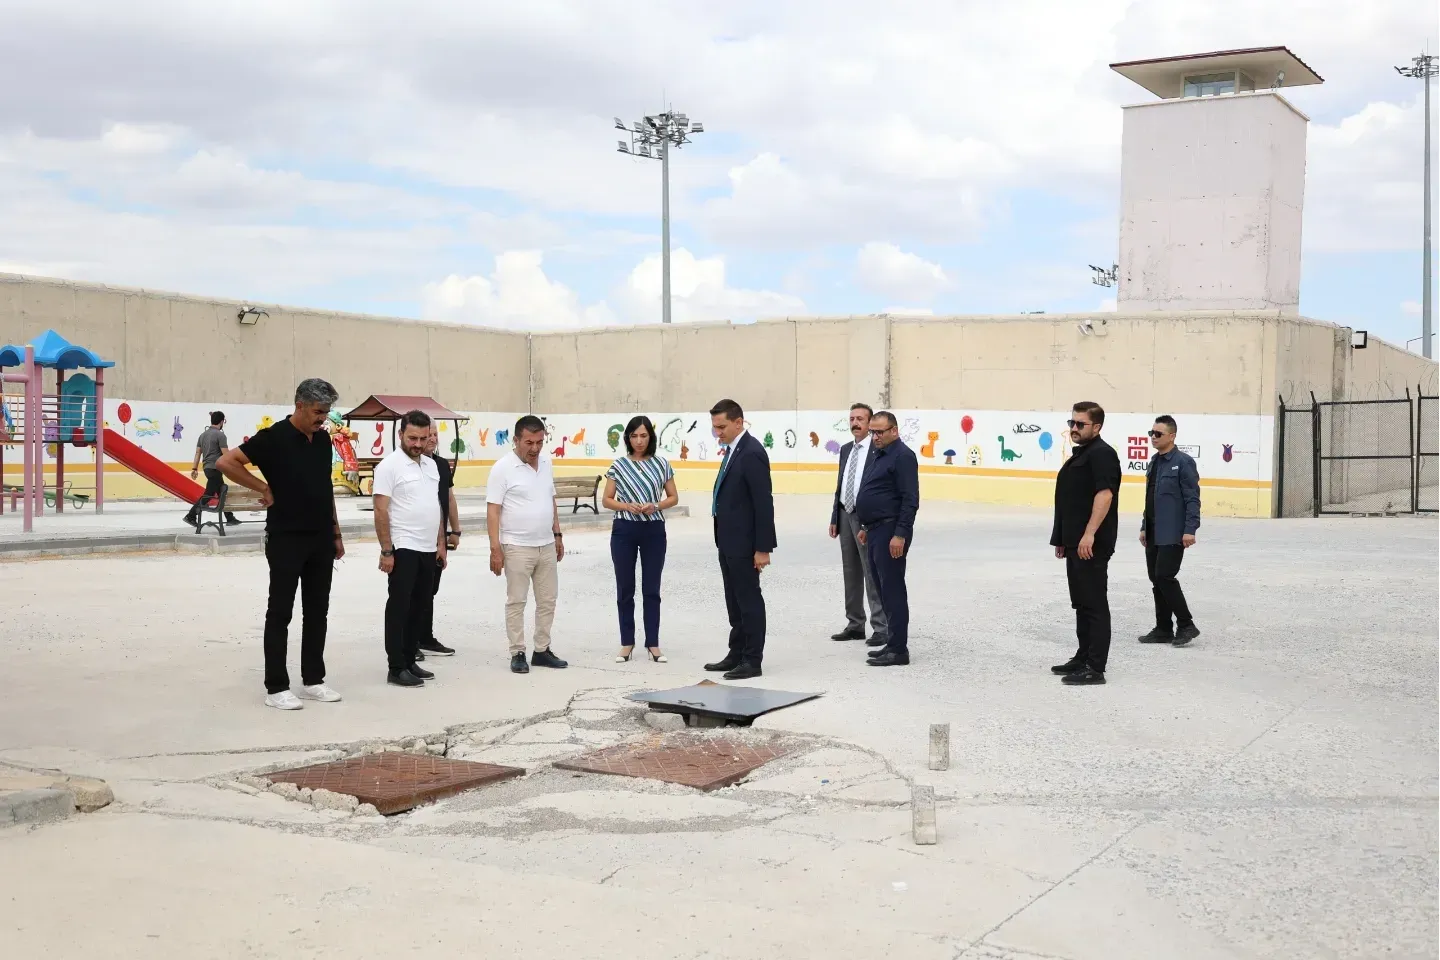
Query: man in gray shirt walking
208	448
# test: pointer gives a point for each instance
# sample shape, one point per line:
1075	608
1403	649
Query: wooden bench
577	489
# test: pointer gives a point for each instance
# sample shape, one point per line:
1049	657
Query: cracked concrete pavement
1269	792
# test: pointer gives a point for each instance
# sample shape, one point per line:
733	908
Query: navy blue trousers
890	577
630	539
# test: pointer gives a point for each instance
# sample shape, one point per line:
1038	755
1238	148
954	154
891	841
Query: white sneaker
320	692
284	700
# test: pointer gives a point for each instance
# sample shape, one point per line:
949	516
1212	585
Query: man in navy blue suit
889	497
744	517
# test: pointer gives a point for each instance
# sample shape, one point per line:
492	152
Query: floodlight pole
1425	67
659	132
665	222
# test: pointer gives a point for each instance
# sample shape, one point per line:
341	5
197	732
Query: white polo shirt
526	496
413	487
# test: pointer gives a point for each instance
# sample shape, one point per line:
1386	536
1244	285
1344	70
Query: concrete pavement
1269	791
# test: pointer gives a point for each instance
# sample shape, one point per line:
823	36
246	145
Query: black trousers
1163	564
306	560
890	577
746	607
410	606
214	483
430	623
645	540
1088	581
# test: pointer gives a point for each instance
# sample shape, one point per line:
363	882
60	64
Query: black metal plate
720	700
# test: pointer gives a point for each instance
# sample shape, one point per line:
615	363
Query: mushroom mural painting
949	458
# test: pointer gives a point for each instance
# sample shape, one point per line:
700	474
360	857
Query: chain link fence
1427	454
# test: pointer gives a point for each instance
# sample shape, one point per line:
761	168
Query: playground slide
152	468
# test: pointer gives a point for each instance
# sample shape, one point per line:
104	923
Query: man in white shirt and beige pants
525	541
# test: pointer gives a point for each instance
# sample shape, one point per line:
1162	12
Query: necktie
720	475
848	497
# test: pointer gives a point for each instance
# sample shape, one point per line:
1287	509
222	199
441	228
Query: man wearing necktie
743	509
860	583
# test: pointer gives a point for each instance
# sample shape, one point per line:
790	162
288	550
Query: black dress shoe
876	642
436	647
890	659
1157	635
518	664
1083	677
743	672
419	655
1068	667
544	658
848	634
404	678
723	666
231	519
418	671
1185	634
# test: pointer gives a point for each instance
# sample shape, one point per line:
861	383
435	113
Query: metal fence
1358	456
1427	454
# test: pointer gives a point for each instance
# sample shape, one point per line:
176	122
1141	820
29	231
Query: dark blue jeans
629	538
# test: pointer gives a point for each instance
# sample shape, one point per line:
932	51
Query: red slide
152	468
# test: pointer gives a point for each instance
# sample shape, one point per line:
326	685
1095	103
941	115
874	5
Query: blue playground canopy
53	351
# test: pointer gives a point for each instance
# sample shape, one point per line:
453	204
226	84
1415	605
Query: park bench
577	489
244	501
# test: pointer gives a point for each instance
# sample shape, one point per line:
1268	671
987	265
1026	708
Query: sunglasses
1156	434
1077	424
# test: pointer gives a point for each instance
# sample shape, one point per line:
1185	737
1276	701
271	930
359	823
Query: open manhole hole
395	782
703	764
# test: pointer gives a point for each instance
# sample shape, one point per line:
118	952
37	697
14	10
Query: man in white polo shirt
525	540
412	546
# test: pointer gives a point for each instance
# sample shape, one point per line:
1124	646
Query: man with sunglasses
1087	522
1172	518
889	497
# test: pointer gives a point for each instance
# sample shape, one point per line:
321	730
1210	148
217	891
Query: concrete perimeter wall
1218	372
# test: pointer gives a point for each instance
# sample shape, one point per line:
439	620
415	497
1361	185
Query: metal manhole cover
702	764
395	782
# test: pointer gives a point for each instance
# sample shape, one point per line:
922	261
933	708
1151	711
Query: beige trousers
524	566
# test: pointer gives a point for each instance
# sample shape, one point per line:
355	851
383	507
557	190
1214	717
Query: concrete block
664	722
436	749
922	806
287	790
939	746
35	806
366	810
90	794
329	800
239	787
305	794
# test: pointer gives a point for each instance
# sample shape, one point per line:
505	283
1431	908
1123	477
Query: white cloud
885	268
1108	305
699	292
517	295
1363	182
1411	307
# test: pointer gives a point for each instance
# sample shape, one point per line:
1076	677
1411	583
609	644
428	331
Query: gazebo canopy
54	351
386	406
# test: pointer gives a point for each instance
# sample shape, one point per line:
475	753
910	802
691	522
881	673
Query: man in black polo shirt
449	515
1087	521
302	536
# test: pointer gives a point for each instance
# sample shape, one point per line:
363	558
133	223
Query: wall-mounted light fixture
1359	339
250	315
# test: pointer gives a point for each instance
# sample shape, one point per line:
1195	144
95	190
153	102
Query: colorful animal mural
1006	454
928	449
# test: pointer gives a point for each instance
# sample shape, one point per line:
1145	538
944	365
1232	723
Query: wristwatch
388	553
452	533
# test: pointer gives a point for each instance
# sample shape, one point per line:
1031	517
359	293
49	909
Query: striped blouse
640	481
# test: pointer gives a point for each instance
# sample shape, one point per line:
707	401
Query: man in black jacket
744	517
889	498
1087	520
1172	518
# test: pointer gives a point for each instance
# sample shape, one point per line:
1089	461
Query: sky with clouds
457	161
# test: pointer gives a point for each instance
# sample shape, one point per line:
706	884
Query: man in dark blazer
1087	521
1172	518
744	517
845	526
889	497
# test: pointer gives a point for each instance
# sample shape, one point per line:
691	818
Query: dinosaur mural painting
1006	454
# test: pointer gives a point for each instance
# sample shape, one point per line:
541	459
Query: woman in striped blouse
639	487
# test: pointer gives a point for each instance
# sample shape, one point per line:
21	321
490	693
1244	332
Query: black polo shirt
447	480
1090	469
298	471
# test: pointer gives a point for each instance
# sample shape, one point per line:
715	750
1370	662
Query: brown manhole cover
395	782
702	764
